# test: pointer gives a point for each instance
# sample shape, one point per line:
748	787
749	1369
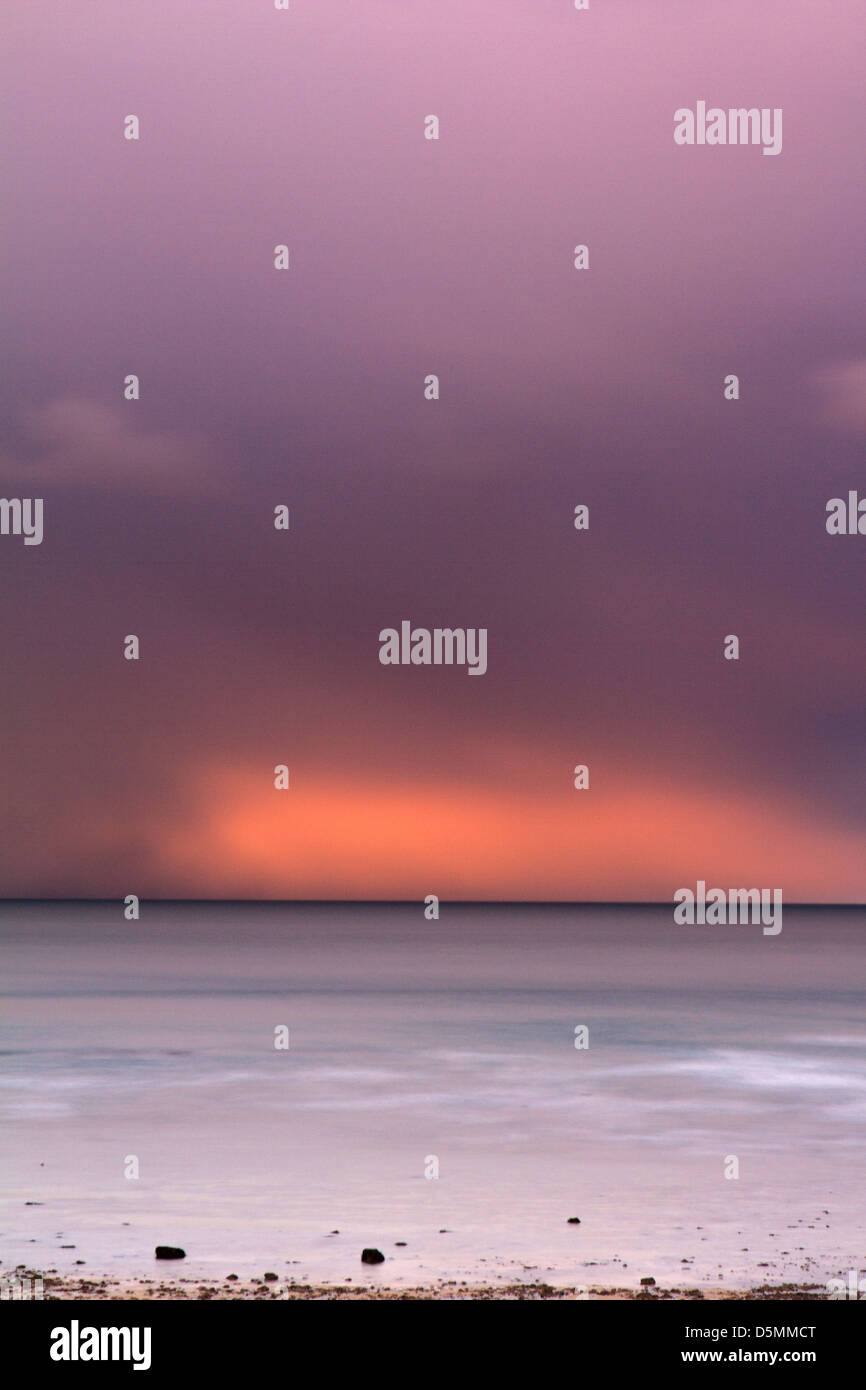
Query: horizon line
398	902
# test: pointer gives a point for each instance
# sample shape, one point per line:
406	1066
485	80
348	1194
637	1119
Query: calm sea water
412	1041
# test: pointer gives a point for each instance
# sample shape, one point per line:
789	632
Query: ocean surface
416	1046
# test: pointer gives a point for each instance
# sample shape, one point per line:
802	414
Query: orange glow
245	839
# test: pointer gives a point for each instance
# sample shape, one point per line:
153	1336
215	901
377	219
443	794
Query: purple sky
558	387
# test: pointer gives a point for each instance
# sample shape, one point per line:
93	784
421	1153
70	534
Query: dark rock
170	1252
231	1276
270	1276
400	1242
648	1280
574	1221
369	1256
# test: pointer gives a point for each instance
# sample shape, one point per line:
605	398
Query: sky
305	387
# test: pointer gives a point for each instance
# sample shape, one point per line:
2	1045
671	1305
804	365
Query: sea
276	1087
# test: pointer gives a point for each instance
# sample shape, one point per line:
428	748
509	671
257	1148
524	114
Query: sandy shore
124	1290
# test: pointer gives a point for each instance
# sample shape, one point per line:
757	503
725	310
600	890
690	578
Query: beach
431	1101
261	1290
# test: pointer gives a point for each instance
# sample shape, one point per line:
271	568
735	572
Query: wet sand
145	1290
